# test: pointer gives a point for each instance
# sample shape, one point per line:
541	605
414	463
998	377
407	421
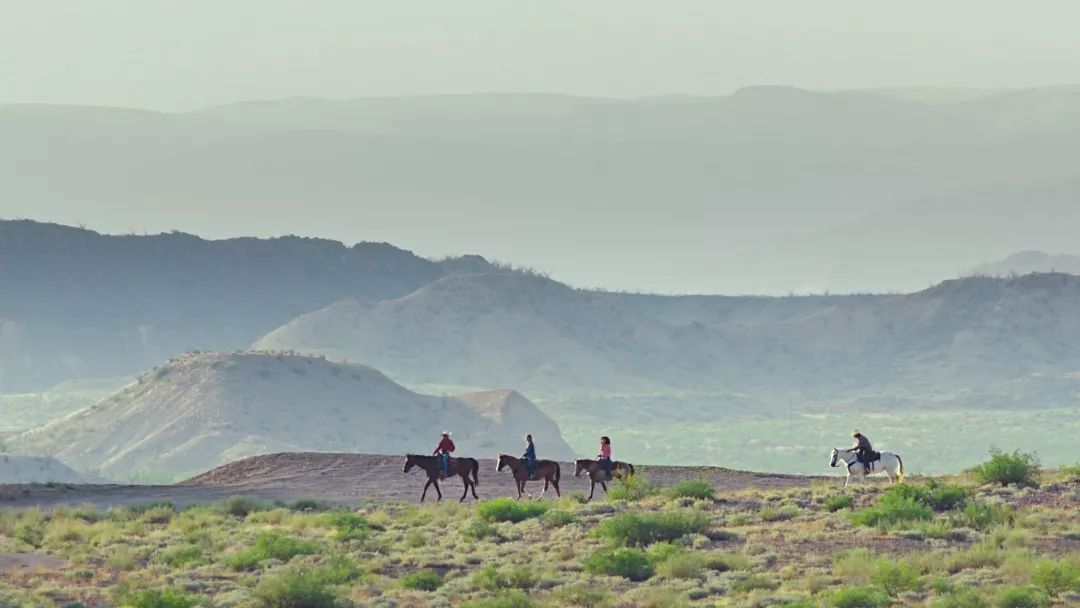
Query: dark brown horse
548	470
597	474
433	467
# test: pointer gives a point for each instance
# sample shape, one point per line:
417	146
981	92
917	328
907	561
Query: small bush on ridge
1017	468
508	509
631	564
647	528
692	488
425	580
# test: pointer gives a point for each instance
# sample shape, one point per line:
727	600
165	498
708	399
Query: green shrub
896	577
478	529
557	518
425	580
337	570
783	513
681	565
836	503
1057	577
346	526
692	488
511	599
165	598
508	509
631	488
646	528
270	545
983	515
181	555
754	582
963	598
1016	468
1071	473
242	506
297	588
581	595
631	564
31	534
859	597
1021	597
723	562
891	509
491	578
932	493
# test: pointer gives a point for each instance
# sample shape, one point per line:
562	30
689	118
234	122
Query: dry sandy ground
351	479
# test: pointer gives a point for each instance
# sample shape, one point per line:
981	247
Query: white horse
890	463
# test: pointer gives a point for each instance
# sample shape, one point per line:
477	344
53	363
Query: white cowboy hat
447	433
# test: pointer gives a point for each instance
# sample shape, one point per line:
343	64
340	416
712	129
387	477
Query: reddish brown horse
548	470
431	465
597	474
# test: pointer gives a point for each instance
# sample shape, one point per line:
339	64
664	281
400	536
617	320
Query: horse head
579	466
410	462
501	463
835	455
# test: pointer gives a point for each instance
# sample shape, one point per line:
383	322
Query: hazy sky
184	55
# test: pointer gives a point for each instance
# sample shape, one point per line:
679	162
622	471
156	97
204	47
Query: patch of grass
962	598
163	598
721	561
932	493
1018	468
858	597
242	506
783	513
692	488
631	489
346	526
296	588
1056	577
983	515
511	599
557	518
681	565
581	595
270	545
1071	473
836	503
630	564
891	509
755	582
508	509
646	528
492	578
425	580
1021	597
181	555
896	577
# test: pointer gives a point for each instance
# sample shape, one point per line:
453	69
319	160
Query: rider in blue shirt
529	457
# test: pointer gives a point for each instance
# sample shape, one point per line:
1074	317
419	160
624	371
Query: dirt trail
350	479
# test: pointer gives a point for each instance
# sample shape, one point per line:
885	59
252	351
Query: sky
186	55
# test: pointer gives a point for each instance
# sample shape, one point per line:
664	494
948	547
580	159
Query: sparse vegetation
938	545
1018	468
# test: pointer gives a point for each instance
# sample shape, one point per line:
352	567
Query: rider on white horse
862	448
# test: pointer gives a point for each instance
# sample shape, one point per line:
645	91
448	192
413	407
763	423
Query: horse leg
546	482
847	479
555	482
592	489
426	486
436	482
603	484
465	482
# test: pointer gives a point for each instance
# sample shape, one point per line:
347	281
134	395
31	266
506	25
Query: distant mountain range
205	409
769	190
1027	262
75	303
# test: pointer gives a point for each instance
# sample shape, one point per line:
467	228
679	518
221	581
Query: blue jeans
444	462
607	464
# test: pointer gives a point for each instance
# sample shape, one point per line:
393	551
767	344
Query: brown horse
597	475
433	467
548	470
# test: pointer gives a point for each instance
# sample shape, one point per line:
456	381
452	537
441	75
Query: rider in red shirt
443	451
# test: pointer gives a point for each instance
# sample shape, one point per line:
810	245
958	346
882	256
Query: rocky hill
1026	262
971	341
76	303
205	409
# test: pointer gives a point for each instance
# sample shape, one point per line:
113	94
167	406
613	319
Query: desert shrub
932	493
783	513
121	558
346	526
983	515
242	506
962	598
508	509
32	534
160	514
631	488
581	595
297	588
181	555
646	528
270	545
425	580
692	488
557	518
754	582
891	509
723	562
1021	597
858	597
478	529
1017	468
511	599
1071	473
164	598
491	578
836	503
896	577
631	564
681	565
1056	577
308	504
338	569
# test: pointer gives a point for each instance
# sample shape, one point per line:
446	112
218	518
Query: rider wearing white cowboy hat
862	449
443	451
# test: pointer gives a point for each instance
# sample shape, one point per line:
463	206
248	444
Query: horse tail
900	472
631	468
558	472
475	472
